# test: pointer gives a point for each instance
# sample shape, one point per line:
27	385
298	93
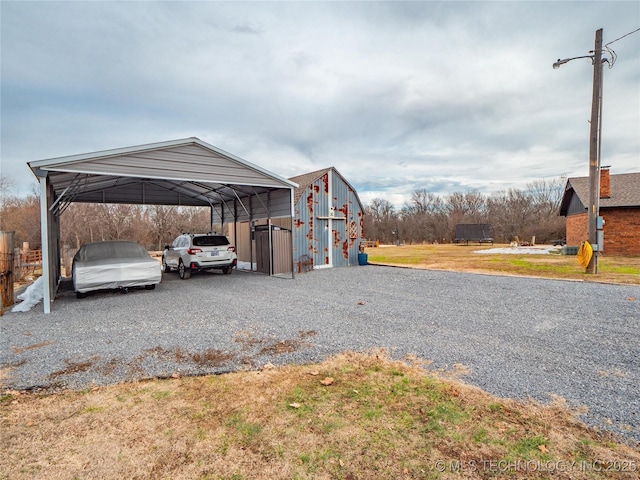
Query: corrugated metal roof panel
187	163
184	151
178	172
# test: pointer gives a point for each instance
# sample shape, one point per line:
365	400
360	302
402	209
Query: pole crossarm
567	60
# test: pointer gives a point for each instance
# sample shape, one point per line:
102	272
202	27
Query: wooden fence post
6	270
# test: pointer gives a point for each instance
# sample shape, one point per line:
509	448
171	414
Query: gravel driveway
518	337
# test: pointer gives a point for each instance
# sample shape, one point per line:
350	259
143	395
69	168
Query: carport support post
270	246
293	214
44	238
251	234
270	233
235	224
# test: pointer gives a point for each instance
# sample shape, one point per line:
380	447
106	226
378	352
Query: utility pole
594	156
594	221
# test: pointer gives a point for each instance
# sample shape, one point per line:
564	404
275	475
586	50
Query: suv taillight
193	251
231	249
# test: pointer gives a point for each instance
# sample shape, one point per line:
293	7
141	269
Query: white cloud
448	96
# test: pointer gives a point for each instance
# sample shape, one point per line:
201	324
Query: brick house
619	206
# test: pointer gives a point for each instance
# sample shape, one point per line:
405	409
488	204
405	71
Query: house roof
625	192
307	179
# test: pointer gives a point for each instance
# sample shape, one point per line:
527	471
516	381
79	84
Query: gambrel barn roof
307	179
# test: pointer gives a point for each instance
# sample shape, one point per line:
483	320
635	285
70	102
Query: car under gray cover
114	264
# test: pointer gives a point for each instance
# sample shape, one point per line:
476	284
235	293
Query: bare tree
163	221
82	223
22	216
547	194
511	214
381	221
424	218
6	184
424	202
469	207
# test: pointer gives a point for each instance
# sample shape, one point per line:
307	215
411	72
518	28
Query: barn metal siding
340	205
347	206
328	223
303	224
317	201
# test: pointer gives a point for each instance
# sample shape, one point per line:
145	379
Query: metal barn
328	224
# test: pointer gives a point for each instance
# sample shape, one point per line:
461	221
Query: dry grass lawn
611	269
355	416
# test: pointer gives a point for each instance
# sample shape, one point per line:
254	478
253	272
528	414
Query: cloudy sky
398	96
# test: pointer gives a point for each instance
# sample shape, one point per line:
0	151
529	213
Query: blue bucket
363	258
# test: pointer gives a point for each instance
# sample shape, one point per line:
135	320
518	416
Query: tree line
152	226
431	218
426	217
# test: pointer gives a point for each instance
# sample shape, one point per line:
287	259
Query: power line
626	35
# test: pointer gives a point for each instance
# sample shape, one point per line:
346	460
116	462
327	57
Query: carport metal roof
186	172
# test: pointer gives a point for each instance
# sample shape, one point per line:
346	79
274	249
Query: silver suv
199	251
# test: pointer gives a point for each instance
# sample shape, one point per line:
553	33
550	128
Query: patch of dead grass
210	357
74	367
253	347
272	346
378	419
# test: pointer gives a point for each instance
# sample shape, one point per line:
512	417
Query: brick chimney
605	183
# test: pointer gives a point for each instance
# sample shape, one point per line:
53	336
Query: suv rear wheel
227	270
183	271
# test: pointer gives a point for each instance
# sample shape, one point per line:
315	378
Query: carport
186	172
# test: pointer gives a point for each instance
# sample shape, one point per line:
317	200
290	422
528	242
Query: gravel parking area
518	337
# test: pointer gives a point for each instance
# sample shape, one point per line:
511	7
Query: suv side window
179	242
